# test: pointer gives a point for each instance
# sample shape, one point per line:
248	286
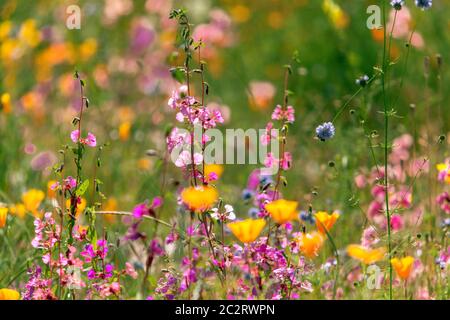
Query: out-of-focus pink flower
396	222
43	160
261	94
360	181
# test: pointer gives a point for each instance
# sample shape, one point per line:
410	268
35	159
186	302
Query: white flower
228	214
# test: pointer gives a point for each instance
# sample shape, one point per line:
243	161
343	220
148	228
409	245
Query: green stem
386	139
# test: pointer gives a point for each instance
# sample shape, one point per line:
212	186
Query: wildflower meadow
224	150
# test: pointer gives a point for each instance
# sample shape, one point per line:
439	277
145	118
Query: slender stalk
386	139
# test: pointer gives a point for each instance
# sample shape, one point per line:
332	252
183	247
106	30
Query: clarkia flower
247	230
325	131
403	266
200	198
90	140
366	255
282	211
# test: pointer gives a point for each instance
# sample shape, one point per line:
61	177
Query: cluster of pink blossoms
89	271
191	113
400	168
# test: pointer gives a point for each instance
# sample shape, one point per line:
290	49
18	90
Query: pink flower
287	115
396	222
90	140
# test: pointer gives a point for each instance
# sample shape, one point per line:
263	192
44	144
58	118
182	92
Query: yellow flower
216	168
80	207
18	210
5	102
366	255
5	29
51	193
240	13
282	211
32	200
403	266
29	34
335	13
88	48
3	216
325	220
144	163
124	130
199	198
310	243
110	205
247	230
9	294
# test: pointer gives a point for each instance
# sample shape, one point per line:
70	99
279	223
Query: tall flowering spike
9	294
282	211
366	255
325	220
199	199
310	243
325	131
247	230
424	4
403	266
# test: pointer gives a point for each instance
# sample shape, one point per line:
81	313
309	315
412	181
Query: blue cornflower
307	217
397	4
253	212
362	81
247	194
424	4
325	131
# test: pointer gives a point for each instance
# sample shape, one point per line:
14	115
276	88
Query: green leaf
82	188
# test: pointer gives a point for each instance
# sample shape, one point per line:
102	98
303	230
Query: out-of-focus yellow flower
55	54
199	199
325	220
335	13
29	34
282	211
3	216
30	101
144	163
5	29
247	230
403	266
240	13
5	101
9	294
126	114
88	48
82	229
444	172
124	130
51	193
213	168
32	200
110	205
275	19
310	243
80	207
366	255
18	210
10	50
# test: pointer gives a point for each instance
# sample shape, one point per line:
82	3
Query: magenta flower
90	140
